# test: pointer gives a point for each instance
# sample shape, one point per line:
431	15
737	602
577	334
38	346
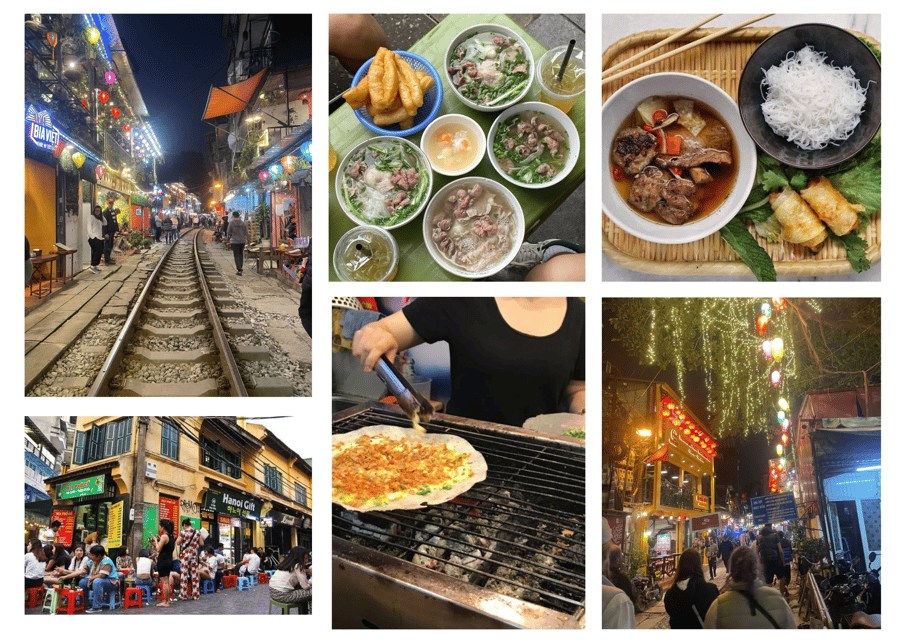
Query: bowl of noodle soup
809	96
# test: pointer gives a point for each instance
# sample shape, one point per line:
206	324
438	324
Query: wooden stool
71	600
34	596
285	606
134	598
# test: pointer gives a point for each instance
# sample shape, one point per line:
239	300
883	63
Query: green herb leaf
855	247
738	237
773	179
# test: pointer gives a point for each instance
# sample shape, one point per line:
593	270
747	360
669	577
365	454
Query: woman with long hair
35	561
189	540
746	602
690	595
290	582
165	544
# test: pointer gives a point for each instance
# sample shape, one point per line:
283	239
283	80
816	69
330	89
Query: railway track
176	341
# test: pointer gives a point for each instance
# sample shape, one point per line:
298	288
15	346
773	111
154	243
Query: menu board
150	523
169	509
67	525
115	526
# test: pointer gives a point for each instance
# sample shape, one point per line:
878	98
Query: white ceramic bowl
438	199
464	121
424	165
614	113
564	122
471	32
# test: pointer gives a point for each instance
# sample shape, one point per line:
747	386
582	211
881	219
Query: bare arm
575	396
384	337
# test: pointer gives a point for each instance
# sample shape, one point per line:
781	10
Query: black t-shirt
499	374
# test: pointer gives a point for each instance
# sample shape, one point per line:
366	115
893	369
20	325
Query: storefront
284	528
236	513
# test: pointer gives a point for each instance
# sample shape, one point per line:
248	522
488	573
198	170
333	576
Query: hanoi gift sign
227	503
92	486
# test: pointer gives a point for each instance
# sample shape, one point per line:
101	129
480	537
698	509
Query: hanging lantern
779	449
777	349
785	439
115	112
775	377
780	416
767	349
263	175
100	171
785	424
779	304
288	163
103	96
93	35
783	404
78	159
52	38
766	309
762	322
127	128
57	150
110	77
275	170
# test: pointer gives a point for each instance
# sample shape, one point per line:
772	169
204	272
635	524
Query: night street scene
166	514
741	463
167	205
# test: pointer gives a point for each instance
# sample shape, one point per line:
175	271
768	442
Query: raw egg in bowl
454	144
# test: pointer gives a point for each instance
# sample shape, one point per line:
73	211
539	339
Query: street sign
773	508
703	523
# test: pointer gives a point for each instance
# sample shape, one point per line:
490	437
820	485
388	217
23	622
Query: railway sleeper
168	357
133	387
270	387
168	332
251	352
175	304
160	314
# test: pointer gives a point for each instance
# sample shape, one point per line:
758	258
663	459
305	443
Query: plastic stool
243	584
71	600
207	586
146	592
270	573
253	578
113	602
54	596
160	591
34	596
229	582
285	606
263	578
133	598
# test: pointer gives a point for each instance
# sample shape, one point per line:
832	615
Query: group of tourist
47	563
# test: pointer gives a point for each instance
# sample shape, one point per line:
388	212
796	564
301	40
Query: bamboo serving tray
721	62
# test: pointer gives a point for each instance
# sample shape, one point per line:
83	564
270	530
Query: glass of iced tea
561	93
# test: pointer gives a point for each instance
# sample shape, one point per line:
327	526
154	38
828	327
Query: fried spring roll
800	225
839	214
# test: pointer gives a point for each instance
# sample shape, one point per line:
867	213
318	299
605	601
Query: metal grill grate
520	533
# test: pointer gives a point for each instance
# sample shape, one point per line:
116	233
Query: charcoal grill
508	553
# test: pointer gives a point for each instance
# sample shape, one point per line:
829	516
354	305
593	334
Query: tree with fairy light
826	343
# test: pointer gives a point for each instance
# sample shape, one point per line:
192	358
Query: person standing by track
96	237
237	237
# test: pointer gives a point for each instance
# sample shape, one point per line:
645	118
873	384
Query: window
169	440
272	479
103	441
300	495
215	457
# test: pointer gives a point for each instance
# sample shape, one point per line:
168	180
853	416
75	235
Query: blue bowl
427	112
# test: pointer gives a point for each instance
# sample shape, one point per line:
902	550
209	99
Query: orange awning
222	101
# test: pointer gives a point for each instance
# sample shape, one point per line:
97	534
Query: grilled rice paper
800	225
839	214
383	467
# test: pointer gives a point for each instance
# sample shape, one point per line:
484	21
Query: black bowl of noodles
801	92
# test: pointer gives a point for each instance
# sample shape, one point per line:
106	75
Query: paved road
229	602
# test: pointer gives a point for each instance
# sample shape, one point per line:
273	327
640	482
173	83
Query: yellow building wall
40	209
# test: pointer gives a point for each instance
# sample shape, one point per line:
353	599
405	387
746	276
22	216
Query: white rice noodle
810	102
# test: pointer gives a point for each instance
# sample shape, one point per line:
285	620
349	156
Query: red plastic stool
71	600
229	581
160	591
133	598
263	578
34	597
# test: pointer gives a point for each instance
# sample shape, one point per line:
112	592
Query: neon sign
41	130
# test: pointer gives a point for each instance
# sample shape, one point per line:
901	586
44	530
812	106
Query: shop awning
843	449
222	101
81	472
286	145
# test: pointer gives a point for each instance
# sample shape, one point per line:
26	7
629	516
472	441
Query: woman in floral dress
189	543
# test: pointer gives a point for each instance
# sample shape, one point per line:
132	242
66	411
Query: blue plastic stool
207	586
243	584
147	592
112	602
270	573
254	578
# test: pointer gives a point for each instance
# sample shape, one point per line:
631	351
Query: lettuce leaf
738	237
855	247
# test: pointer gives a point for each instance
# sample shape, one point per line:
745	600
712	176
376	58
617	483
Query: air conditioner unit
150	470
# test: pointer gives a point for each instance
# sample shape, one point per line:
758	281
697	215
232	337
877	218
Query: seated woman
77	568
102	578
35	561
124	560
144	570
290	582
58	559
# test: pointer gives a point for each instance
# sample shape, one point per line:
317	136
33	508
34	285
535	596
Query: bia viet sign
77	488
40	129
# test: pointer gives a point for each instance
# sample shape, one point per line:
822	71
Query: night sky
175	59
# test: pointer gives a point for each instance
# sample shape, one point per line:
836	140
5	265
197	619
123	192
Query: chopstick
660	44
682	49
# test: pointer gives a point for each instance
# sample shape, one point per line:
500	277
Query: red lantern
762	322
127	128
84	104
103	96
57	150
778	303
100	171
115	112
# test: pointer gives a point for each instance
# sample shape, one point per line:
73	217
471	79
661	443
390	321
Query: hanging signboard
67	525
230	504
701	502
115	525
40	129
83	487
774	508
703	523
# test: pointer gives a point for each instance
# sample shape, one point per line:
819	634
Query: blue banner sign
40	129
774	508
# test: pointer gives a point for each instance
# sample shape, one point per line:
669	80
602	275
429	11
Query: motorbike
853	599
647	589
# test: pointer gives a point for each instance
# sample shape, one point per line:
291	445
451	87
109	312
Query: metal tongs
412	402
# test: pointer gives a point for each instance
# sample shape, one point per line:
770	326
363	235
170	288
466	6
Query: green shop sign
92	486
